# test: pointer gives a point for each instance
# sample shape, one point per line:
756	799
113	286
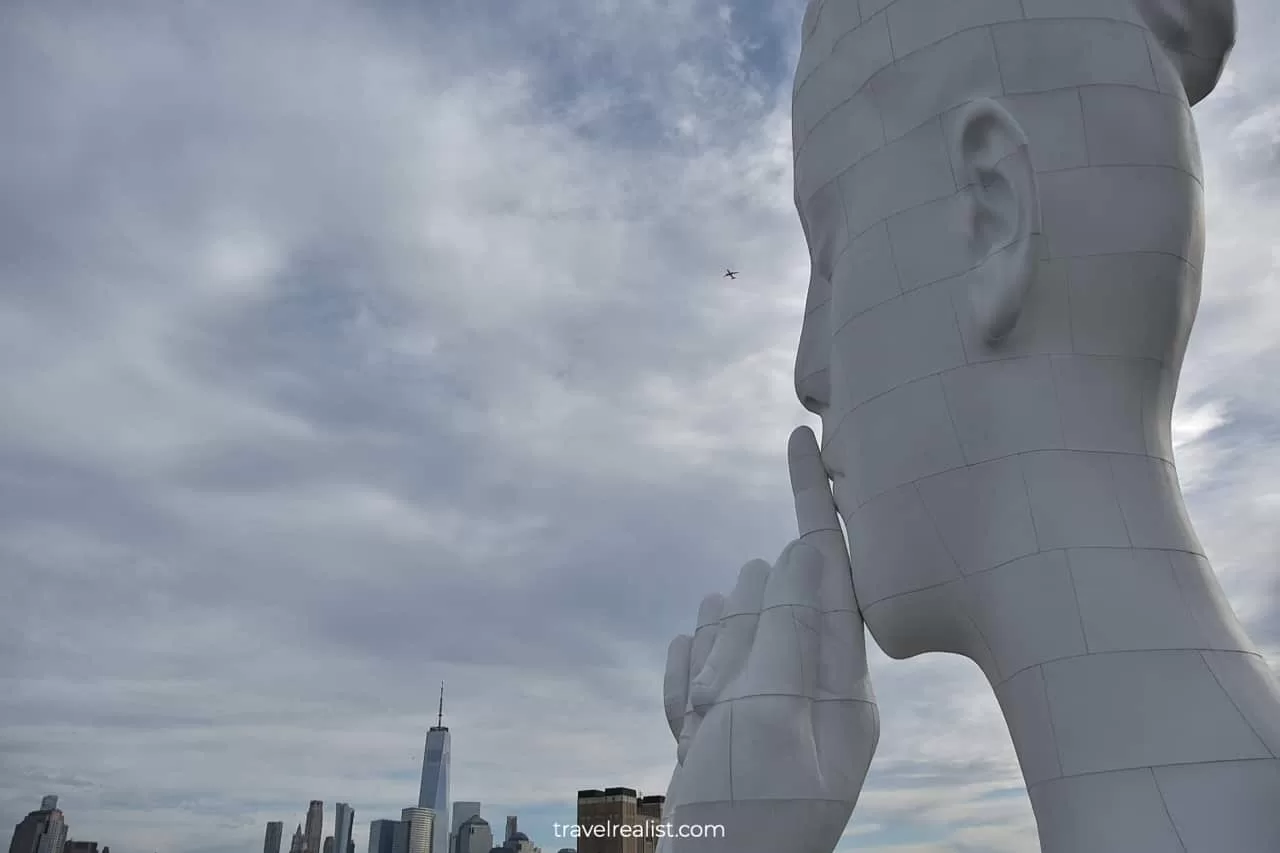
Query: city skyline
46	830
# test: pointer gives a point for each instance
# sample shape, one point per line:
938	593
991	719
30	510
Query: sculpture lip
832	469
824	456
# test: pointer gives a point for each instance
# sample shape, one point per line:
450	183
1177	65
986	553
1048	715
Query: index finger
818	522
815	509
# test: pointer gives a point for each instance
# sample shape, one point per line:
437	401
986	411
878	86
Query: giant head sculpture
1003	206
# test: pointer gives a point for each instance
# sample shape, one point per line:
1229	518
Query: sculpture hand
770	700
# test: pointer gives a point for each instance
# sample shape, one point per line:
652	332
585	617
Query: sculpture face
1004	216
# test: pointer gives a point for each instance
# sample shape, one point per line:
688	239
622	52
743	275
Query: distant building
351	845
462	812
520	843
433	793
315	826
513	826
651	806
41	831
473	836
416	831
617	807
343	818
382	835
649	812
275	835
80	847
299	842
328	844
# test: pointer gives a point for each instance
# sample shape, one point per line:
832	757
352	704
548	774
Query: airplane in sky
728	273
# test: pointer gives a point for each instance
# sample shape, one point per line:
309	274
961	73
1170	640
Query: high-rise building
299	842
513	826
462	812
41	831
351	845
433	793
382	835
649	812
275	835
343	819
416	832
328	844
651	807
315	826
80	847
618	807
520	843
473	836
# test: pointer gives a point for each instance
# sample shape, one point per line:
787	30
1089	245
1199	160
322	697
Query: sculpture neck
1114	500
1132	693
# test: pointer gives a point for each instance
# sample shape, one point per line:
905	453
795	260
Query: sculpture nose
813	392
812	376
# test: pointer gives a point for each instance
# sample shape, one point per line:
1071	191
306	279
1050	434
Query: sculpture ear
1002	219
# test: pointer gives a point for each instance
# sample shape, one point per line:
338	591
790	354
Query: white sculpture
769	700
1003	206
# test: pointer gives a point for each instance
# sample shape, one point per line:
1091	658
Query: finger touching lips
815	509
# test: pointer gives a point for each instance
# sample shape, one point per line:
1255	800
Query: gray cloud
348	350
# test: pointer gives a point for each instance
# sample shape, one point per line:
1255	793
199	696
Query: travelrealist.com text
639	830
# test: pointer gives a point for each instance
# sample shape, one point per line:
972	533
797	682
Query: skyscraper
513	826
416	831
275	834
299	843
382	835
328	844
434	792
462	812
473	836
619	807
343	818
520	843
41	831
315	826
649	813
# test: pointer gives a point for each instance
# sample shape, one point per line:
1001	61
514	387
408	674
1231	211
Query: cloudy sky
346	348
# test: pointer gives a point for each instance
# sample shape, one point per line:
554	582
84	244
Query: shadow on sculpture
1004	212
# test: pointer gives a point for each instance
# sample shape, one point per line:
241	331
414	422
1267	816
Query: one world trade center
434	792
